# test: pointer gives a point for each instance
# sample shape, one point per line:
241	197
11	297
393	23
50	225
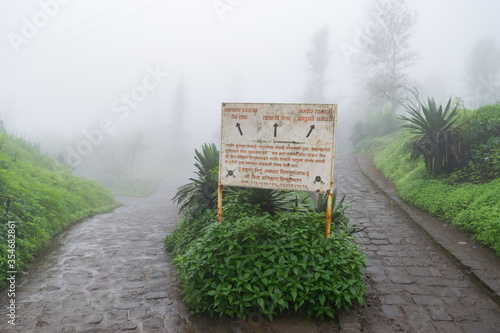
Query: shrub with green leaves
271	264
473	207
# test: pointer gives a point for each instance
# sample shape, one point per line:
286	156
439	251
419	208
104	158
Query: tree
118	158
386	54
178	152
317	64
481	72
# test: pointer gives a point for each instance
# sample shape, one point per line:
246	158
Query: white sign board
278	146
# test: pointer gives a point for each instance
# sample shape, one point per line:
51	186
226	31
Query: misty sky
73	70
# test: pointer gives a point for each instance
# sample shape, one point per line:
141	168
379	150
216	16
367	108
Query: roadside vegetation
270	254
446	162
42	197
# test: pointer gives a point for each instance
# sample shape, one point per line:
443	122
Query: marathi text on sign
278	146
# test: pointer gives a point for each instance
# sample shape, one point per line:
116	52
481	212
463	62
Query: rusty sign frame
280	137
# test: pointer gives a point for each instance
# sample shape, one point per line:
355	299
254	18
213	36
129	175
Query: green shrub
475	208
271	264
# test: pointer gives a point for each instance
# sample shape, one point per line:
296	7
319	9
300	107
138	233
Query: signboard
278	146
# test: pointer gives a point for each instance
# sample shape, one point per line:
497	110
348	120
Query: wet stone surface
107	274
112	274
413	286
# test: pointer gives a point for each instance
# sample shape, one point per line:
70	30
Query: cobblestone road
111	273
107	274
419	288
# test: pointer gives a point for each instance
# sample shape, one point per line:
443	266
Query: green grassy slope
45	198
474	208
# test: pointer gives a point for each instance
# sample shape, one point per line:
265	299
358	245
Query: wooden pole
329	214
219	205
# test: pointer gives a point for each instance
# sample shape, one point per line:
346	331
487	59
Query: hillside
39	198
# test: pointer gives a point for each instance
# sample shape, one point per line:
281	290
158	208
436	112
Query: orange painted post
219	205
329	213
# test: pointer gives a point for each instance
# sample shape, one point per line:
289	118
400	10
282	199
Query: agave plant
339	219
436	139
202	191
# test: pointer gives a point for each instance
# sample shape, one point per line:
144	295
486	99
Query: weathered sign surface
278	146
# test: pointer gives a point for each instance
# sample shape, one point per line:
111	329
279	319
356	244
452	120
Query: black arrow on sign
239	128
310	131
275	129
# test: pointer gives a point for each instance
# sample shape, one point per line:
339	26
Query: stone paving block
396	240
117	315
447	327
93	318
437	311
390	288
394	300
137	314
401	278
418	290
418	271
460	283
423	262
380	241
349	319
380	278
128	305
426	300
451	274
398	262
393	312
463	316
478	328
387	254
72	320
376	235
375	270
426	281
152	323
125	326
487	304
417	254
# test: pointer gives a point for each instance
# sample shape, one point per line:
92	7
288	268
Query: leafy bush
474	208
269	255
45	198
271	264
483	166
480	146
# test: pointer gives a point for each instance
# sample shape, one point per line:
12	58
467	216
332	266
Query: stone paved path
111	273
107	274
417	287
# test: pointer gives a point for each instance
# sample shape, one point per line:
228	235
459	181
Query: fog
160	69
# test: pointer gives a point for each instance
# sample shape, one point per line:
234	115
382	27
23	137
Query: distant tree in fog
481	71
118	158
318	58
386	55
178	136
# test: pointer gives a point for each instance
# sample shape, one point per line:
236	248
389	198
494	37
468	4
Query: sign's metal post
329	213
330	202
219	205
